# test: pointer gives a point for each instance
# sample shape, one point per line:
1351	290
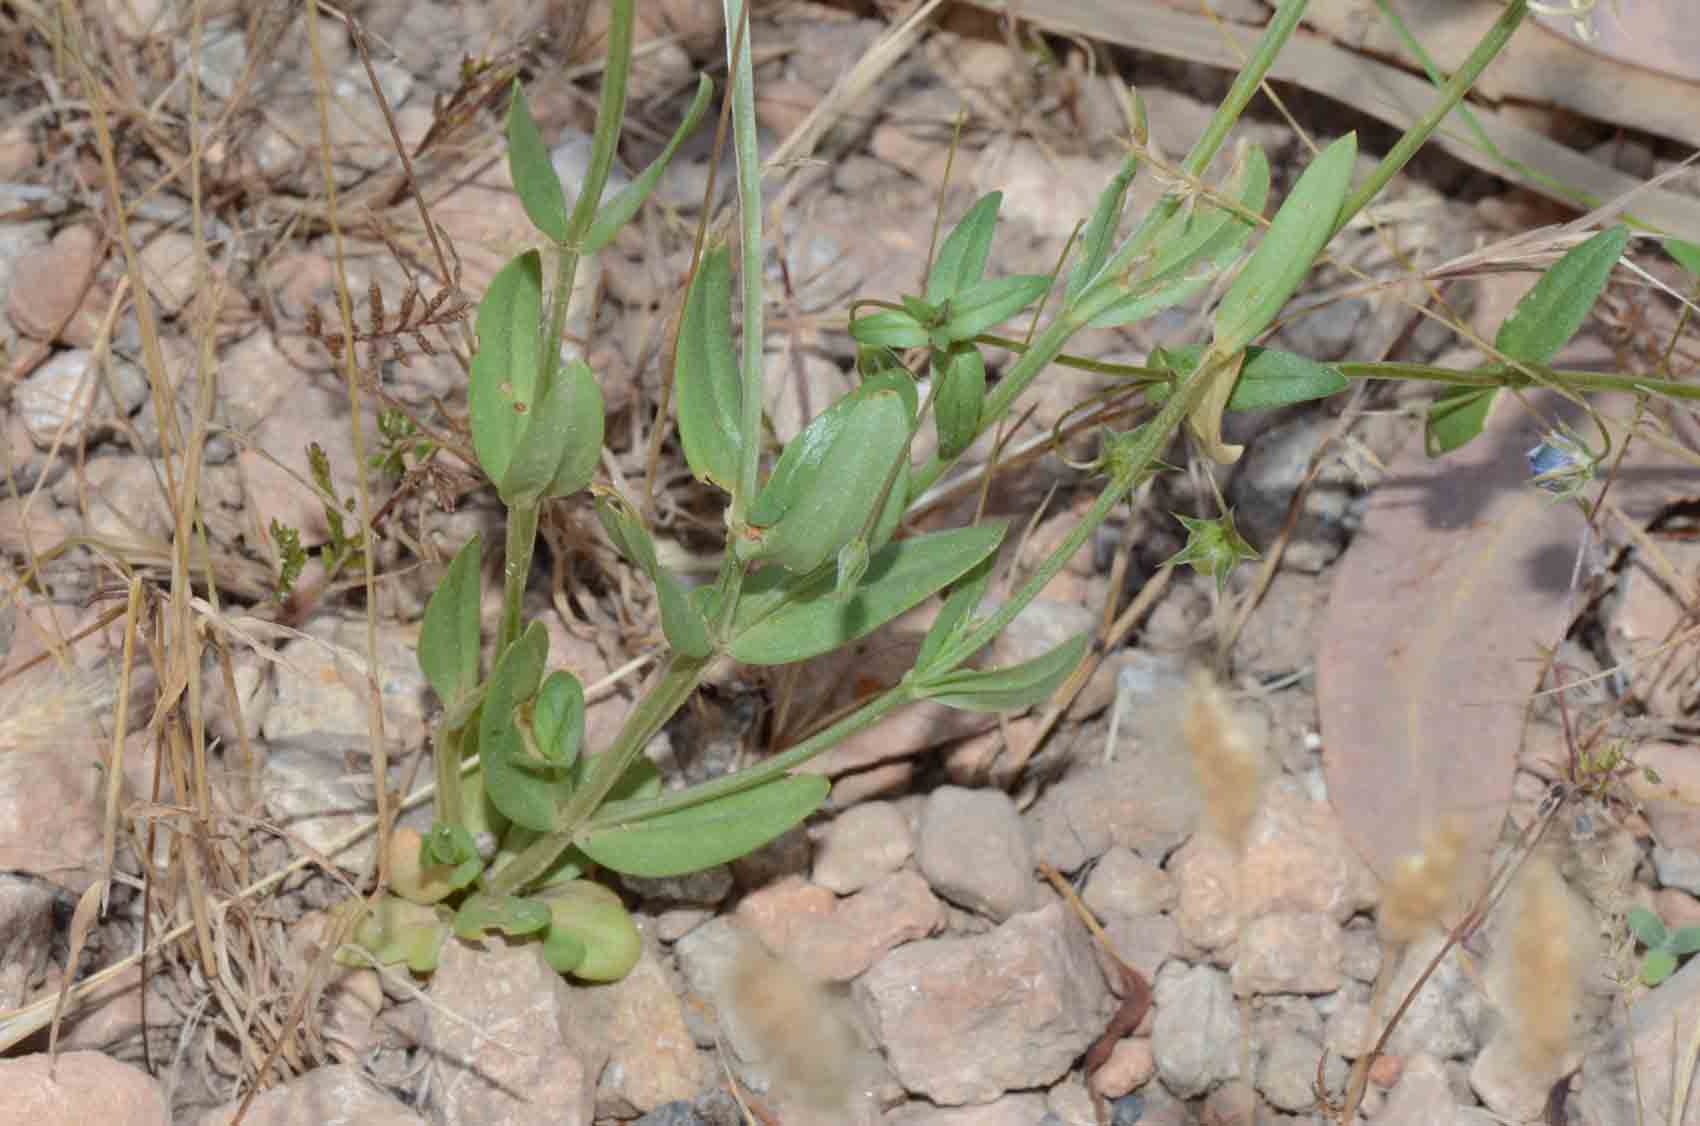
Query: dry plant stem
120	729
351	376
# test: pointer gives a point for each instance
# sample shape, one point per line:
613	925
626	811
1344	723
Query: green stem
516	568
1497	376
1486	50
446	761
870	713
677	681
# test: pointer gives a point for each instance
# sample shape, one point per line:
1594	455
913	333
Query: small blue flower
1562	465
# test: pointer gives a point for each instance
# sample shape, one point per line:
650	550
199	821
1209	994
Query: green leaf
617	212
1551	312
1213	233
683	624
705	373
592	917
714	832
1657	965
1100	234
852	565
1686	254
989	303
955	614
1007	689
1684	941
483	913
888	328
1455	417
1148	301
1268	378
830	477
432	868
559	443
959	374
782	620
525	794
1295	237
448	637
962	259
395	930
503	381
533	172
557	718
1647	927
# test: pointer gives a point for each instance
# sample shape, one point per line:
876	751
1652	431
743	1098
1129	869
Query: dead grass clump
1229	762
1424	886
1547	949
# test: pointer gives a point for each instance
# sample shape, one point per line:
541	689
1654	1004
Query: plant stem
516	568
678	679
1486	50
446	761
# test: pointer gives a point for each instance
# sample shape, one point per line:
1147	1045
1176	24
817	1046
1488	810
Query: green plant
814	558
1664	947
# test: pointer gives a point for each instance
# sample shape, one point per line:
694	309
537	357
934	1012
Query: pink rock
1672	803
965	1019
83	1087
325	1094
1422	1097
1130	1067
1207	874
1298	859
1289	953
652	1059
973	850
48	282
836	940
862	844
1124	883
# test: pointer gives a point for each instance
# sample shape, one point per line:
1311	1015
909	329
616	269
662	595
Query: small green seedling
1665	947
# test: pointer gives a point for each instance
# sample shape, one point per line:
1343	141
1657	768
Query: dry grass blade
82	922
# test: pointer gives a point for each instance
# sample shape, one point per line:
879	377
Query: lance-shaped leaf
483	913
559	443
448	637
959	375
1149	300
1268	379
705	375
1551	313
589	920
1006	689
503	385
988	303
1685	254
524	793
888	328
533	172
954	616
701	836
830	477
961	261
681	621
783	619
1100	234
1295	237
617	212
1209	233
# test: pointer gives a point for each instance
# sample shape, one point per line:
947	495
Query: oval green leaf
533	172
483	913
1268	378
524	794
962	258
888	328
989	303
1551	313
960	377
714	832
503	383
705	375
783	619
560	442
448	637
1455	417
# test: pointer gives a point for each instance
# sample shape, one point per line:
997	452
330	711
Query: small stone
788	854
1131	1066
964	1019
168	266
1678	868
1234	1103
82	1087
836	940
1145	942
1360	952
703	888
1207	874
307	1100
66	396
974	851
26	936
1288	953
652	1059
1124	883
674	924
1423	1096
862	844
1441	1019
1386	1070
1287	1073
1298	860
48	282
508	1040
1018	1109
1351	1029
1197	1034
